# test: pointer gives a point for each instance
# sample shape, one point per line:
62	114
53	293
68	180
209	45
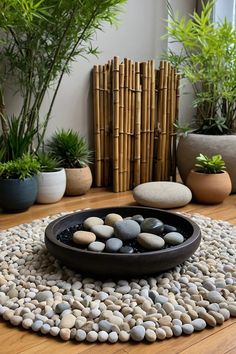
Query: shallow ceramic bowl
116	264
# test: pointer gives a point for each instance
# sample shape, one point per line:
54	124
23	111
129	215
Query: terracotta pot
191	146
209	188
51	186
78	180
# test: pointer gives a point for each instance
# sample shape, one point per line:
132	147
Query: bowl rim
50	234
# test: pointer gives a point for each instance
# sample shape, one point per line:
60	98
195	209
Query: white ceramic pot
51	186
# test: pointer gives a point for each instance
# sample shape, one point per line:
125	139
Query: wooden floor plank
19	341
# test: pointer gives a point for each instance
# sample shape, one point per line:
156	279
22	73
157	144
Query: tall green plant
208	60
39	41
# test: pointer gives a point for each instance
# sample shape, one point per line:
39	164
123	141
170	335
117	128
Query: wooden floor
219	340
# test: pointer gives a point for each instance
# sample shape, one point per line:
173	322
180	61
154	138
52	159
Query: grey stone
174	238
232	310
177	330
54	331
62	307
169	228
96	246
215	296
80	335
137	333
112	337
91	336
126	229
36	326
164	195
44	295
138	218
198	324
113	245
152	226
45	328
102	336
68	321
105	325
92	221
188	328
102	231
126	250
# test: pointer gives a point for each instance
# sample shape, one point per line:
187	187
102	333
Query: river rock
113	245
137	333
174	238
232	310
164	195
126	250
169	228
68	321
96	246
138	218
198	324
62	307
102	231
152	226
150	241
215	296
126	229
92	221
102	336
44	295
83	237
112	218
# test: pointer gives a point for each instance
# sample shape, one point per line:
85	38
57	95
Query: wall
138	37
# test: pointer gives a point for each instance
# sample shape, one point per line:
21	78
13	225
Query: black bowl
116	264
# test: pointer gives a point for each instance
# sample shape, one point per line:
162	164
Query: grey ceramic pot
17	195
192	145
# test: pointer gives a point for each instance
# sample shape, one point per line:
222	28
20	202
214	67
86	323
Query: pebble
103	231
96	246
124	336
177	330
126	250
126	229
160	333
91	336
150	335
232	310
112	218
138	218
198	324
102	336
169	228
54	331
44	295
113	245
152	225
112	337
83	237
80	335
150	241
65	333
174	238
37	325
137	333
92	221
62	307
68	321
215	296
188	328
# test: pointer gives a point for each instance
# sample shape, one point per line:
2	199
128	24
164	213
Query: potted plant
18	184
209	182
72	151
51	180
39	41
208	61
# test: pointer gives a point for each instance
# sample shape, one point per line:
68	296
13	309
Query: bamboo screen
135	107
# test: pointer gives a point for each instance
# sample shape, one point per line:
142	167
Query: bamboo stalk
132	125
137	127
172	121
164	121
106	127
121	133
126	117
152	123
115	71
168	123
102	123
97	137
144	124
160	121
109	120
129	124
176	119
148	123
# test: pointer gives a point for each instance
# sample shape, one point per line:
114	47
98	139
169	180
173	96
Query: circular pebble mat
38	293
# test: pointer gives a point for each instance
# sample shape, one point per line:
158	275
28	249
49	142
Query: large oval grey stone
162	194
113	245
174	238
126	229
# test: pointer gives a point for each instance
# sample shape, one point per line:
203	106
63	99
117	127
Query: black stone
169	228
126	249
138	218
152	226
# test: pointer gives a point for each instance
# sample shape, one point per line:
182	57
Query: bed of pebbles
113	234
38	293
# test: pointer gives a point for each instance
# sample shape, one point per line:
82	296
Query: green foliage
183	129
213	164
21	168
15	144
70	148
47	162
208	61
39	41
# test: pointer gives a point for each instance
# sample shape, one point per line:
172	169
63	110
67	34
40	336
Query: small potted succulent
209	182
51	179
18	183
74	155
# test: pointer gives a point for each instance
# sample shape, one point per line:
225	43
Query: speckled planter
192	145
17	195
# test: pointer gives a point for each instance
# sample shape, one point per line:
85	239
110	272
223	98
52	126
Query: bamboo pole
152	123
148	123
144	124
164	121
176	119
106	127
129	124
166	175
115	71
132	125
109	120
160	122
102	128
137	127
172	121
97	137
126	117
121	133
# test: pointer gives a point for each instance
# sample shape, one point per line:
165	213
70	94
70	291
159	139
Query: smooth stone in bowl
163	195
174	238
152	226
112	218
169	228
126	250
138	218
83	237
126	229
102	231
113	245
96	246
92	221
150	241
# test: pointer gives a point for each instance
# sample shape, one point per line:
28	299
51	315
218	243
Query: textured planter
51	186
209	188
17	195
191	146
78	180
